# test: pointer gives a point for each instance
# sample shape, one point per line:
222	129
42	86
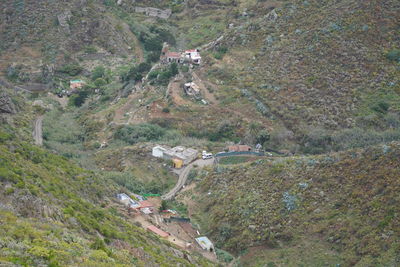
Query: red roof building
146	204
239	148
157	231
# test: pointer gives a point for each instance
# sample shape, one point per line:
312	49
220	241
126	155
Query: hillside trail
174	89
203	87
63	101
138	51
37	131
184	175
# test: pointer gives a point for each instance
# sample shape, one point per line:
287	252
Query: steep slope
334	209
55	213
40	37
313	68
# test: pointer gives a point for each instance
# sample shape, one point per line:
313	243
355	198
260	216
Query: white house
205	243
193	56
158	151
127	201
187	155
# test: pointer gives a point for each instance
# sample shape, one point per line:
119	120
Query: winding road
184	175
37	131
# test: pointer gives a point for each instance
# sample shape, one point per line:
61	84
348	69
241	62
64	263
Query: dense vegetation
324	84
344	204
43	223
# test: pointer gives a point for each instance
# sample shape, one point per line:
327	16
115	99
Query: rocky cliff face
6	104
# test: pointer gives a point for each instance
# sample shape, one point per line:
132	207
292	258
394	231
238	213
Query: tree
98	72
143	67
174	69
253	131
164	205
262	137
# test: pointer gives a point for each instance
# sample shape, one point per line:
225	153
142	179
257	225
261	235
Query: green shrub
174	69
223	256
153	75
184	68
5	136
152	43
100	82
12	73
192	175
98	244
164	35
393	55
98	72
143	67
222	132
78	99
135	72
90	49
220	52
153	56
381	107
139	133
71	69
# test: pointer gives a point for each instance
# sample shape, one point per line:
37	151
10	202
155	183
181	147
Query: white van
206	155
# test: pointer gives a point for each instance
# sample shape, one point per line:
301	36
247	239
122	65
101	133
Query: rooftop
157	231
204	242
146	204
173	54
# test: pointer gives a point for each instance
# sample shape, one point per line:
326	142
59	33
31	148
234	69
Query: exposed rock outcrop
6	104
63	20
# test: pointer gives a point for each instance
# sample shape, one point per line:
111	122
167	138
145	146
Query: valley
199	133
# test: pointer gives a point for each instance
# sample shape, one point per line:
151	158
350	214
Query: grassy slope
53	212
328	70
344	207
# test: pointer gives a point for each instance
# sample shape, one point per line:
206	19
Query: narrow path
207	95
37	131
184	175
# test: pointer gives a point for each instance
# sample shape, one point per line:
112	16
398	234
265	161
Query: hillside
314	76
55	213
312	211
314	82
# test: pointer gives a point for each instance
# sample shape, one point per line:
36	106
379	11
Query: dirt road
203	87
37	131
184	175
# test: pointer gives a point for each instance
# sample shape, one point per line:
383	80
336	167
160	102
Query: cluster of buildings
188	56
140	204
179	155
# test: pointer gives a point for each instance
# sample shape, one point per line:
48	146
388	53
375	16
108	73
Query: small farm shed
158	151
159	232
76	84
239	148
177	163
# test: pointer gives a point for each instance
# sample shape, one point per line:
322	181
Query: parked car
206	155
